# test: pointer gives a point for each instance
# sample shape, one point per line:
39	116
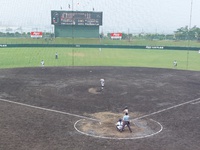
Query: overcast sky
134	16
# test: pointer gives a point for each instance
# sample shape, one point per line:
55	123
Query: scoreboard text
76	18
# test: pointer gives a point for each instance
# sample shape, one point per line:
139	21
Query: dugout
78	24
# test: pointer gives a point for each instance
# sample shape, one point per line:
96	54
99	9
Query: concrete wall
77	31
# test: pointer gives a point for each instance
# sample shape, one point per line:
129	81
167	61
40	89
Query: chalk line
175	106
46	109
115	138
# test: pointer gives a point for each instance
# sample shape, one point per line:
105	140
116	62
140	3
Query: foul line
192	102
195	101
46	109
83	117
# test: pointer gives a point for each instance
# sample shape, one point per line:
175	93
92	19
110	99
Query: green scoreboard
76	23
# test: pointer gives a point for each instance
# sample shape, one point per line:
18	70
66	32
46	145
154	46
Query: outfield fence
101	46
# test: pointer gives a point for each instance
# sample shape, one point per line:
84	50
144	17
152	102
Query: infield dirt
55	108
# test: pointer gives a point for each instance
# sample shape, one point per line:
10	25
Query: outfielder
175	63
42	63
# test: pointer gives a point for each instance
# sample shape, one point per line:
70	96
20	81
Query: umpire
126	122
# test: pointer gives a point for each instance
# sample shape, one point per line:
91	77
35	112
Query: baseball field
61	105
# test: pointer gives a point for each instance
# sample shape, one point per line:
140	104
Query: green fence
77	31
101	46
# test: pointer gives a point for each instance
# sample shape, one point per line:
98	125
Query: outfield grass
31	57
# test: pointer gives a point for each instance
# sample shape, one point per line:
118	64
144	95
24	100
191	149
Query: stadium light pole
188	37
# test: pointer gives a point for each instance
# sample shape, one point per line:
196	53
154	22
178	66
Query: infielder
102	81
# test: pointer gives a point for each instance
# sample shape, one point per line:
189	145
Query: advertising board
36	34
115	35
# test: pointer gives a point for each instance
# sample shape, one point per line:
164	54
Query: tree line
183	33
23	34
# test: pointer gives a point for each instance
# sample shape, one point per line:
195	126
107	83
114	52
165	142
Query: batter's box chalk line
83	126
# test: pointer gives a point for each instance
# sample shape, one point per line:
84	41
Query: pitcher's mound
95	90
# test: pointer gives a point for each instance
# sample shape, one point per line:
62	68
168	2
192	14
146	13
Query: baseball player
125	110
42	63
119	125
102	81
56	55
175	63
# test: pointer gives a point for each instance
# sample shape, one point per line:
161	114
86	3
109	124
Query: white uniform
56	55
125	110
102	81
175	63
42	63
119	125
